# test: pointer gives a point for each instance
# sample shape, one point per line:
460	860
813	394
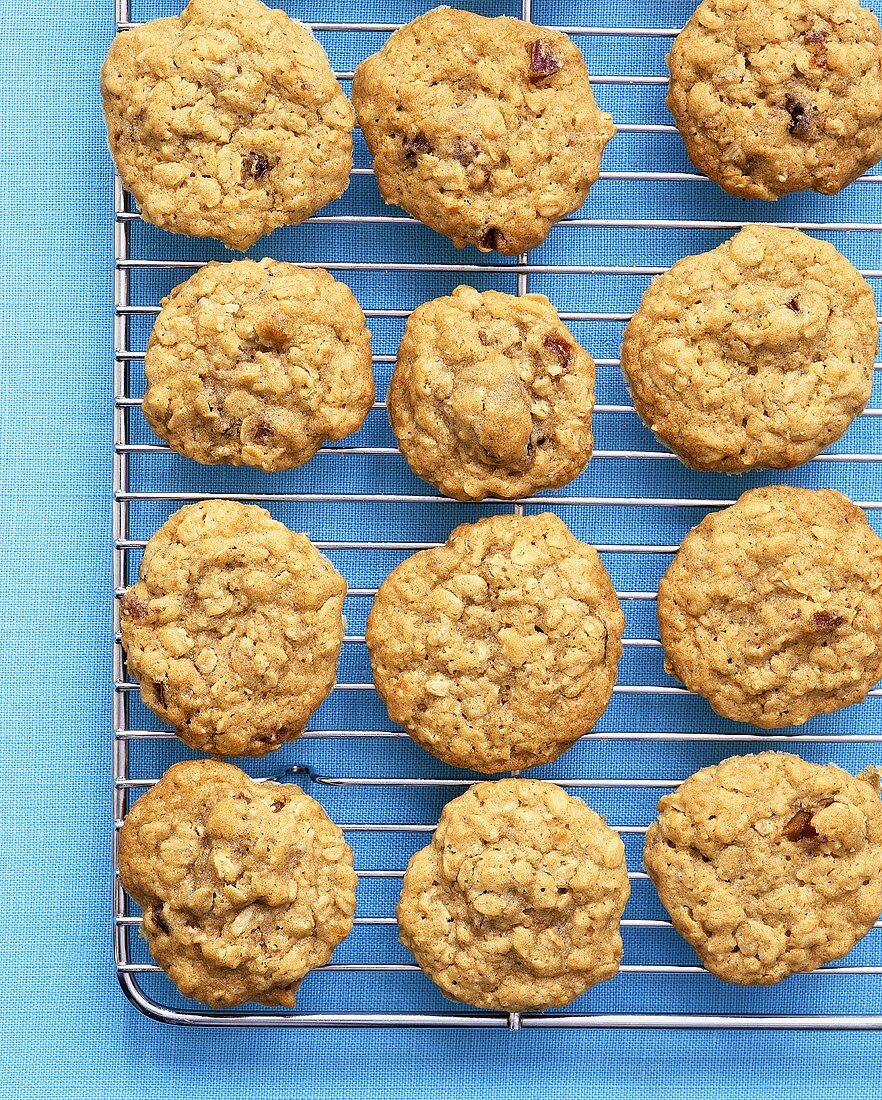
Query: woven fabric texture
68	1030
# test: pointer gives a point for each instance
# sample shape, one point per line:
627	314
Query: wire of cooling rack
132	727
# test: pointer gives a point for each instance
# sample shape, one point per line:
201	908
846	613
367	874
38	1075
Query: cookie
756	354
769	865
491	395
499	649
516	903
484	129
258	363
772	608
226	121
773	96
234	628
245	887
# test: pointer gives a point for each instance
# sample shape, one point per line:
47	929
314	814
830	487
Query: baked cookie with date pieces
772	608
516	903
234	628
774	96
258	364
244	886
499	649
769	865
484	129
756	354
226	121
491	395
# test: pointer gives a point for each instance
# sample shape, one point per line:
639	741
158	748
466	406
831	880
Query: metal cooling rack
654	956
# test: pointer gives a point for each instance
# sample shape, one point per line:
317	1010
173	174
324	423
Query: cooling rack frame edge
122	923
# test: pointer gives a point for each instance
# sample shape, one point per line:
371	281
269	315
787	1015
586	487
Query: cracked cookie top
245	887
773	96
772	608
756	354
500	648
234	628
516	902
491	395
769	865
258	363
226	121
484	129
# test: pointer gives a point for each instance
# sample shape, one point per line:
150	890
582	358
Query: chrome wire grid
648	727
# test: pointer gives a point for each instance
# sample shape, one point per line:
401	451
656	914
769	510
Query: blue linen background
68	1030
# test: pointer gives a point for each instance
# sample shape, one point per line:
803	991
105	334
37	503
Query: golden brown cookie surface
772	608
769	865
245	887
516	902
756	354
492	395
484	129
500	648
773	96
234	628
258	364
226	121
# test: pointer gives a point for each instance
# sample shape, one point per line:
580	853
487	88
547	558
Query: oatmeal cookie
484	129
258	363
226	121
234	628
769	865
772	608
756	354
773	96
245	887
491	395
499	649
516	903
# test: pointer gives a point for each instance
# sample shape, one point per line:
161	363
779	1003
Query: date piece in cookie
226	121
756	354
484	129
234	628
499	649
245	887
258	364
772	608
769	865
492	395
516	903
773	96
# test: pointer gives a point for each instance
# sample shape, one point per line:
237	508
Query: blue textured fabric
68	1030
